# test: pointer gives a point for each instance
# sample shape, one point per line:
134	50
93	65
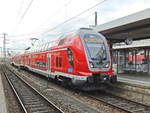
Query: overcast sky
44	15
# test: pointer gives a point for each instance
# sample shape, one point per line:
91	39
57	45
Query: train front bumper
101	78
95	79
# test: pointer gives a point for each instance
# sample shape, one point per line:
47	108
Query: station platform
135	79
3	108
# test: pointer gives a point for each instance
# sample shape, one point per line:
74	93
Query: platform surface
3	108
137	79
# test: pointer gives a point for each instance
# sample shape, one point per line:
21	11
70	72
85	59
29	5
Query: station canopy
135	27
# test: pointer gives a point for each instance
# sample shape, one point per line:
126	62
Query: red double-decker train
81	58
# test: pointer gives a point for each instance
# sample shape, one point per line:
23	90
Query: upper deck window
92	38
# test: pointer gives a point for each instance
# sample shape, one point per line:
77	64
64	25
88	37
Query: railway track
30	99
120	103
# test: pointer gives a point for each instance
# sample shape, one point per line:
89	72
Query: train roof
50	44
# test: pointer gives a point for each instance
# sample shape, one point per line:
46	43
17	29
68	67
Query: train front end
98	58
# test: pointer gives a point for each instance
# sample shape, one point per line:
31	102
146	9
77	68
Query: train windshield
95	48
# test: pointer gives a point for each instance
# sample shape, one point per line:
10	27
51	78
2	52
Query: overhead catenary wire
54	14
74	17
34	33
24	35
28	7
18	13
20	8
22	17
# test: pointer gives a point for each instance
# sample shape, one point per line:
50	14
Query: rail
30	99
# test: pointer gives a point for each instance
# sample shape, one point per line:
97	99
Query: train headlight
91	65
107	65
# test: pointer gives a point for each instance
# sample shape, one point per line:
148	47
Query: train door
49	62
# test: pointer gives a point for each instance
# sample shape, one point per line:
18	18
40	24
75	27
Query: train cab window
95	46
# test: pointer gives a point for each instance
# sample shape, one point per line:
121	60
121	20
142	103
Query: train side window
58	61
70	57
